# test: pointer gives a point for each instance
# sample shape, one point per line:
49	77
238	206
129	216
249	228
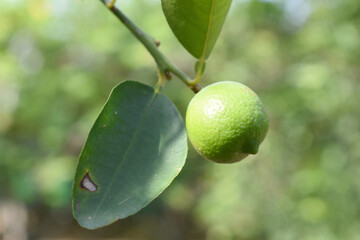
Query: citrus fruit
226	122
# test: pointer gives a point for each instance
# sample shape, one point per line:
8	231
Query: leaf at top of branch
196	23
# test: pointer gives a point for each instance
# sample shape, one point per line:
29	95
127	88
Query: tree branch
165	66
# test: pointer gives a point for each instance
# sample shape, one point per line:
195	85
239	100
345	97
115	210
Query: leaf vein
208	30
132	141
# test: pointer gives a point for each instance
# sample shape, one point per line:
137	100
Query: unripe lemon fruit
226	122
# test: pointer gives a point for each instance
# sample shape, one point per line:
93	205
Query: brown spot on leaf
87	184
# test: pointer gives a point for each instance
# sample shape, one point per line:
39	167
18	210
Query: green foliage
146	146
302	185
136	147
196	23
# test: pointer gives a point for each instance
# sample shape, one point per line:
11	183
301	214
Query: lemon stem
165	66
199	72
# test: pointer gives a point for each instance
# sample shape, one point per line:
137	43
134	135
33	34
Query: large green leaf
196	23
135	149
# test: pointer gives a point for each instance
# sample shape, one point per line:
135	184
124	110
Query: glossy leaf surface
196	23
135	149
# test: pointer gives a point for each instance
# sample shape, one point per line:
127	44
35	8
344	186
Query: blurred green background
59	60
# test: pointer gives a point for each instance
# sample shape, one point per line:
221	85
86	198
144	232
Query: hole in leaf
87	184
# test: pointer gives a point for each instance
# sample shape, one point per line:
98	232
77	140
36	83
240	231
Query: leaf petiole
199	71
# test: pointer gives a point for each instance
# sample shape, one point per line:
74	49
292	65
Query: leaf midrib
208	31
132	142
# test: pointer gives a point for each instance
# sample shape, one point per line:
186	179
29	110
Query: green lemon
226	122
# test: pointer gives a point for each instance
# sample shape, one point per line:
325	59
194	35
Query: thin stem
165	66
161	81
200	71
